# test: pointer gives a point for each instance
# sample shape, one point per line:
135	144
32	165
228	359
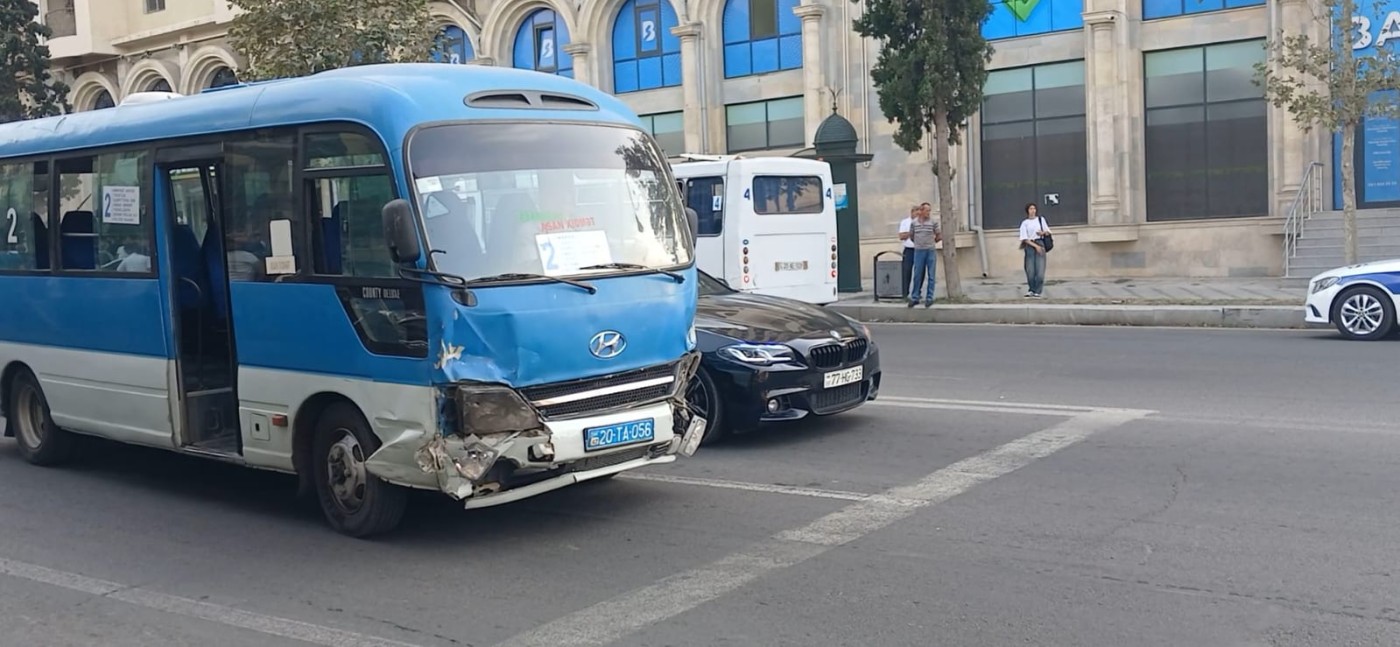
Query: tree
27	89
1324	83
929	77
286	38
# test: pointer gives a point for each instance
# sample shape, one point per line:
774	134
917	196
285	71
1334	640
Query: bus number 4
13	219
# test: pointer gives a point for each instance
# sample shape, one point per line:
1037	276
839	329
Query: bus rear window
775	195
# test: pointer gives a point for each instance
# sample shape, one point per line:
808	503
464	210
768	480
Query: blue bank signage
1377	158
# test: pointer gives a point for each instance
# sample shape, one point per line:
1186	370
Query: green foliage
933	57
286	38
27	89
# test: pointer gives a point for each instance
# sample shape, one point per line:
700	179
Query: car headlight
1324	283
759	354
690	338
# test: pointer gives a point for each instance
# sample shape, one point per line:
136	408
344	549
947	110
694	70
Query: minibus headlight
494	409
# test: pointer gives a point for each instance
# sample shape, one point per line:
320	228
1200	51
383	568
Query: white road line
269	625
607	621
999	406
816	493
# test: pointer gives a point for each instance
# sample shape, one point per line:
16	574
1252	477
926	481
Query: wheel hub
1362	314
30	418
345	463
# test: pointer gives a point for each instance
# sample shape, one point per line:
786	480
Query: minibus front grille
601	394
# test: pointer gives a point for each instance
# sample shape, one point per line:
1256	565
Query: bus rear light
278	420
833	274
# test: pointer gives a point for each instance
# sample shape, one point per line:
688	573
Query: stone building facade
1135	124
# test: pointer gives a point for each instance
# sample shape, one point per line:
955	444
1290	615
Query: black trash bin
889	276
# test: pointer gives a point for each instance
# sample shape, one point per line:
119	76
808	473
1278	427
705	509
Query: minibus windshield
555	199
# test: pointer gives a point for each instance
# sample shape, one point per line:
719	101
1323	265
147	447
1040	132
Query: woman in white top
1033	231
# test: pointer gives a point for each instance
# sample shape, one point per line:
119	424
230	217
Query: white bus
766	224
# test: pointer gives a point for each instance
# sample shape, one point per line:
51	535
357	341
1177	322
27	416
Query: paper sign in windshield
121	205
567	252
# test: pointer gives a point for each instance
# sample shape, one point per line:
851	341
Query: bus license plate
841	378
790	266
625	433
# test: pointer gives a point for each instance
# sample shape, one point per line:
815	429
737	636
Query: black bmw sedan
768	358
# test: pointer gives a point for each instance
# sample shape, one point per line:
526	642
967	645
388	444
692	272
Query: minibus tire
40	441
342	436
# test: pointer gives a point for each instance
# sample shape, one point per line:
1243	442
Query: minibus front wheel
40	441
354	501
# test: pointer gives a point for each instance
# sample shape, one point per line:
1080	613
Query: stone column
1111	83
689	34
1290	148
482	60
813	67
583	70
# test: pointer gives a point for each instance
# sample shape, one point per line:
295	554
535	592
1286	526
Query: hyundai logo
607	344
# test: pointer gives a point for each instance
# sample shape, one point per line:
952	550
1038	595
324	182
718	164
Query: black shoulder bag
1048	240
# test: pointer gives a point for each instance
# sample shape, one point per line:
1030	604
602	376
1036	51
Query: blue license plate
625	433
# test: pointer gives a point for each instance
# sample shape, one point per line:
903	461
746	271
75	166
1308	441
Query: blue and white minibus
466	279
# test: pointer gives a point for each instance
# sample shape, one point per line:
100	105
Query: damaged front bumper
498	447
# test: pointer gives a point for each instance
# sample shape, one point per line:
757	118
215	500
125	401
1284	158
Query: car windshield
710	286
552	199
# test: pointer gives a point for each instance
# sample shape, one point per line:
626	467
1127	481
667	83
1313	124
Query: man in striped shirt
926	233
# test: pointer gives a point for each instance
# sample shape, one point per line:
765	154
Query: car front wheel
1364	313
705	402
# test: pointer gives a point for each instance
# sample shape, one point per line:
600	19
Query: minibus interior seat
78	241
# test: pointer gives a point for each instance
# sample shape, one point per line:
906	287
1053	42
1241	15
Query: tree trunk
948	221
1349	194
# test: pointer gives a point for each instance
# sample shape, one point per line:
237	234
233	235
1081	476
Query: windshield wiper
516	276
633	266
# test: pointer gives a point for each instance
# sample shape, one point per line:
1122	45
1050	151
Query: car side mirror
693	219
401	232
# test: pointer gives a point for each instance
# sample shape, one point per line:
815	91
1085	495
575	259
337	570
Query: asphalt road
1038	486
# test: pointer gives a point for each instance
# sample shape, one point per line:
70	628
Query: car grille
616	458
833	355
837	399
540	396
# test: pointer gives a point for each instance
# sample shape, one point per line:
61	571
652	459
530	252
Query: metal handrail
1306	202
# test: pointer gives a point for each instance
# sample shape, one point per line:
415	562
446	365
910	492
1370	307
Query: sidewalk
1231	303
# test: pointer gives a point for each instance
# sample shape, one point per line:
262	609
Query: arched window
222	78
761	36
645	54
539	44
161	85
453	46
103	100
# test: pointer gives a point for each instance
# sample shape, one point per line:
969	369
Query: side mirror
400	232
694	220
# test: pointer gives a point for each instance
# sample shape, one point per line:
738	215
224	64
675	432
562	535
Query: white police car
1360	300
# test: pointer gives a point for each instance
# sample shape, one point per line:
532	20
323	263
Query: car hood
767	319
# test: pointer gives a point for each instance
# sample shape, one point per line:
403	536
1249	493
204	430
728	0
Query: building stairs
1321	245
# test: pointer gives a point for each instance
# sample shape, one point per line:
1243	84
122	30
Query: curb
1180	316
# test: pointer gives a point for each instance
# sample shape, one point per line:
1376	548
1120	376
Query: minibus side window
24	214
706	196
347	186
103	223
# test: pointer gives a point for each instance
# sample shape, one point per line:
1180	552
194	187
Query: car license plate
624	433
841	378
789	266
